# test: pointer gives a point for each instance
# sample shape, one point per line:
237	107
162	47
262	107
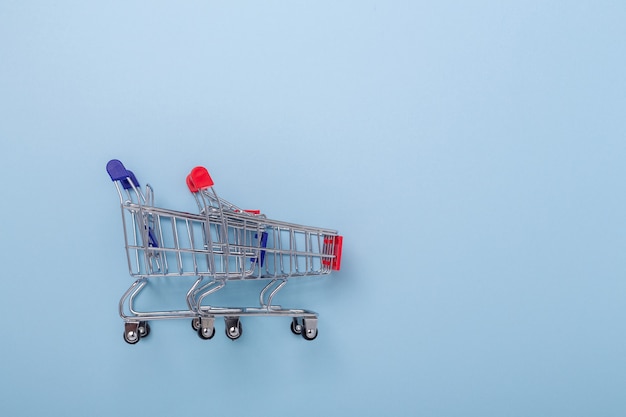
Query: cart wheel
309	334
195	324
204	333
144	329
233	328
131	337
296	326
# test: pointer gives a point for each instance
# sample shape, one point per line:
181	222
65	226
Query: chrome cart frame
221	243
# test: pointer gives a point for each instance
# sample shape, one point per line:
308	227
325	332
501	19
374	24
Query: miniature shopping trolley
220	243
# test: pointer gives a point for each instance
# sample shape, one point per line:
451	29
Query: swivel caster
296	326
132	334
233	328
204	326
144	329
309	328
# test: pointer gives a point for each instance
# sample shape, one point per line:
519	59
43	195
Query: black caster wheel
233	328
309	334
296	326
195	324
309	328
144	329
131	334
205	333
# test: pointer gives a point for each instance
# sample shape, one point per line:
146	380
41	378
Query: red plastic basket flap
333	244
200	178
338	249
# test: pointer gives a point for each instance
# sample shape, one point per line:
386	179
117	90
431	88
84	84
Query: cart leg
206	327
233	327
309	328
131	332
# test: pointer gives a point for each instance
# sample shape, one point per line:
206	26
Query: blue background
471	153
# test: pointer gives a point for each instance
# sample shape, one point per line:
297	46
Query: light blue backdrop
471	153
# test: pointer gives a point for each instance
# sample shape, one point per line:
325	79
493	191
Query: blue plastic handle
131	177
118	172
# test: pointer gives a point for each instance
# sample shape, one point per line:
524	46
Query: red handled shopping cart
219	244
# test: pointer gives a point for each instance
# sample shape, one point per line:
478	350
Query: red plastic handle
190	184
199	179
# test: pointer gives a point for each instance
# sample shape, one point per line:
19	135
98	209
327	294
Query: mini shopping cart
220	243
